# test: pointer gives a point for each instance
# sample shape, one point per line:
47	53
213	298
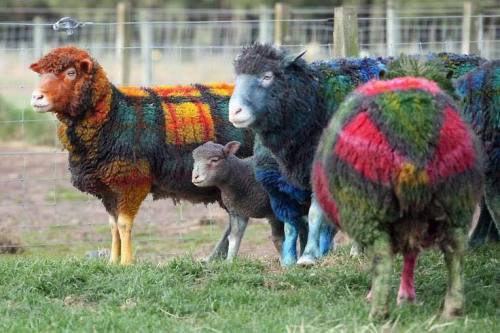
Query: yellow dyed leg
115	241
125	223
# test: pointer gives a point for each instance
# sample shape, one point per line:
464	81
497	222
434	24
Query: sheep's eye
214	159
71	73
268	76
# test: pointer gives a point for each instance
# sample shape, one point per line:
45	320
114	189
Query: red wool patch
455	153
325	198
367	150
375	87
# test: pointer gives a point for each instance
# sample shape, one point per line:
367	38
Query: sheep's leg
492	199
454	257
221	248
312	251
115	240
238	226
356	249
327	231
289	254
128	205
303	232
381	263
277	233
406	291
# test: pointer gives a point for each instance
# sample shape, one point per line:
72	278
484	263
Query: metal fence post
146	47
345	32
281	24
38	36
393	38
123	42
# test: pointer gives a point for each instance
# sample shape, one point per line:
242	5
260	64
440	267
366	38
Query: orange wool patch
126	174
133	91
222	89
188	123
101	111
176	91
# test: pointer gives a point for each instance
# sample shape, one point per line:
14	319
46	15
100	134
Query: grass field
183	295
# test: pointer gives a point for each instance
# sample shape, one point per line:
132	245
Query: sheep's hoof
306	261
379	314
288	262
401	300
451	314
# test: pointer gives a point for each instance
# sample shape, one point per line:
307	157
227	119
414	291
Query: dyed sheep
479	91
288	103
399	170
242	195
125	143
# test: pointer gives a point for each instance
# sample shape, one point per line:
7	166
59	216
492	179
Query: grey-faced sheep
128	142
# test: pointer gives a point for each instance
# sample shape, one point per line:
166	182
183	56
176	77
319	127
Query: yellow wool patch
409	176
188	123
221	89
133	91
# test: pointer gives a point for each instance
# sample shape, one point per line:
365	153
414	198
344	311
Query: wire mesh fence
37	201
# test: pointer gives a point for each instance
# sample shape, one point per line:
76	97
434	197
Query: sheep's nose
195	177
238	110
37	95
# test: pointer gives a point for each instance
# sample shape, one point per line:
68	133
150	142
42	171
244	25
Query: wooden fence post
265	28
123	42
146	47
38	36
345	32
281	24
393	35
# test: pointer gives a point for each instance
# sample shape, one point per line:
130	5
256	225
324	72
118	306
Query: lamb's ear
35	67
291	58
86	65
231	148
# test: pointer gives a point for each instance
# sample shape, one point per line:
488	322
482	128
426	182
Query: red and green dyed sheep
399	170
124	143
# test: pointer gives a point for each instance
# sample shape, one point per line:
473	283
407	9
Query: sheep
125	143
287	103
242	195
479	92
399	170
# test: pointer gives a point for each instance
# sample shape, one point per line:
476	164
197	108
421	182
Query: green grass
73	295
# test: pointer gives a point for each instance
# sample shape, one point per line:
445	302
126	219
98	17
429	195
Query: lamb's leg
406	291
277	233
115	240
381	263
312	251
454	258
289	254
221	248
238	226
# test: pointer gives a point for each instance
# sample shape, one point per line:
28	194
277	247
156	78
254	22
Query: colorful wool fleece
395	152
156	129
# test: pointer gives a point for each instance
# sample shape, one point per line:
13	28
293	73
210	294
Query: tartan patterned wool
399	170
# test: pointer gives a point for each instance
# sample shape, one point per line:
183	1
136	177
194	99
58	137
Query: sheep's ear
35	67
86	65
291	59
231	148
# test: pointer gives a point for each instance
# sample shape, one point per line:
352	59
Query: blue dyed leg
326	233
312	251
303	231
289	254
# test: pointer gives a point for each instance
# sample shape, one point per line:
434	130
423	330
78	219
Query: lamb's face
64	79
210	163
